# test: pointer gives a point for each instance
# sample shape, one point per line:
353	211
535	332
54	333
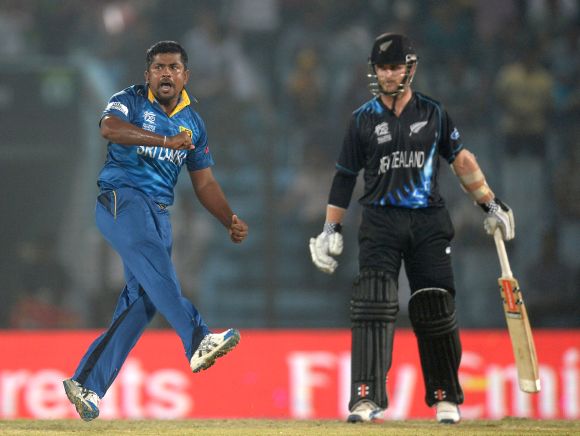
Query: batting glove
499	215
329	243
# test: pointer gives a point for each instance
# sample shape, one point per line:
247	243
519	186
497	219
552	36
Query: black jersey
399	155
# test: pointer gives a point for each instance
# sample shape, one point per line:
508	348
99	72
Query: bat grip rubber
502	254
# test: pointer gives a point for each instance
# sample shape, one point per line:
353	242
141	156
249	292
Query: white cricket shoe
364	411
447	412
86	401
212	346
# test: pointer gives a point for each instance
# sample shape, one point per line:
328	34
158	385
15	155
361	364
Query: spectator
524	89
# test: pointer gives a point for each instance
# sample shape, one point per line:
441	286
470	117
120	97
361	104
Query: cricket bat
518	323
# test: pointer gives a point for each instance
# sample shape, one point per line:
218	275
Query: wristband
331	228
492	207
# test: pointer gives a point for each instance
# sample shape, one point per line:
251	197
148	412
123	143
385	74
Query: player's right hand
238	230
181	141
327	244
499	215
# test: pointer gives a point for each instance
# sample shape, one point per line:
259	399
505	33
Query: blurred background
276	81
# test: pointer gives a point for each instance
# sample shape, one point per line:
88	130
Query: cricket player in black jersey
398	138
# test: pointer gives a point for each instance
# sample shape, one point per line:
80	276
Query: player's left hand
499	215
238	230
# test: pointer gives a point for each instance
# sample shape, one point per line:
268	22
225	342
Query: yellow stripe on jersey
182	104
150	96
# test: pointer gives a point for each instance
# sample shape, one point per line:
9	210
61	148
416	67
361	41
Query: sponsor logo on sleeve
455	134
117	106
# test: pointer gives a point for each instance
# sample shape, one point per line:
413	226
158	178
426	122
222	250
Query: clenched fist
499	215
238	230
327	244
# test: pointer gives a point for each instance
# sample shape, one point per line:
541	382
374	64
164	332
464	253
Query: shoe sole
84	413
232	339
446	419
354	418
448	416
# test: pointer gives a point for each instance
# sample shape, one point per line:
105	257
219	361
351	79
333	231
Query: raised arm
116	130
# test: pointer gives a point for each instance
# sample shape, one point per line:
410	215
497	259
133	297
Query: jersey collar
388	109
184	100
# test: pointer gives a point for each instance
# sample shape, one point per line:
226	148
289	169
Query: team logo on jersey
455	134
186	130
415	127
382	132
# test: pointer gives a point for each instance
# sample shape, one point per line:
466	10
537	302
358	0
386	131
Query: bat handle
502	254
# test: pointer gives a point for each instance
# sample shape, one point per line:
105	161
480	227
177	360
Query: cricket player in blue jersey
152	132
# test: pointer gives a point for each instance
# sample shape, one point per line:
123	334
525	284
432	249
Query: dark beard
164	101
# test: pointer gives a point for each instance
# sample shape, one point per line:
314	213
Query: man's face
390	76
166	77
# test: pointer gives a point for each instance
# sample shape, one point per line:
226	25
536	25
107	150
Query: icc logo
149	117
382	132
382	129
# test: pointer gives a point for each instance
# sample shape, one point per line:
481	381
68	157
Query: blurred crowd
276	81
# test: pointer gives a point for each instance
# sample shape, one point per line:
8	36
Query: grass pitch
251	427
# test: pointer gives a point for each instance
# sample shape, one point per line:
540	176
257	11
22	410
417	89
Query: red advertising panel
298	374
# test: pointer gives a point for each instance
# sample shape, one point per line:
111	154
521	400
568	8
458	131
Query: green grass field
248	427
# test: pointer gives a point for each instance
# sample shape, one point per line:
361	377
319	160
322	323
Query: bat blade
520	334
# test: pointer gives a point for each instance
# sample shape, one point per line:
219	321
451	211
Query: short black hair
165	47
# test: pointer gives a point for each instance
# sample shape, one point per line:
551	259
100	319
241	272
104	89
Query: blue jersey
153	169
